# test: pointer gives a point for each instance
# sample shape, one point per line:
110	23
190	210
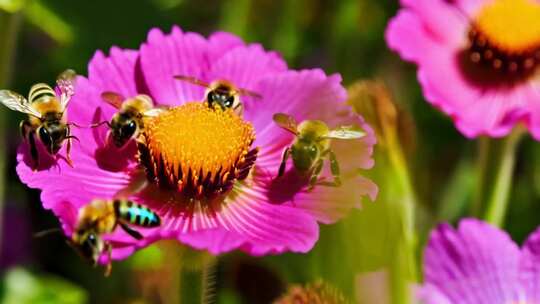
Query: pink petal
270	228
245	66
114	73
533	120
165	56
220	43
444	21
429	294
470	7
216	241
476	263
529	273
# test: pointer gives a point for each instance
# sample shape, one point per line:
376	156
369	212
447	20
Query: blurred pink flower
478	60
260	214
480	264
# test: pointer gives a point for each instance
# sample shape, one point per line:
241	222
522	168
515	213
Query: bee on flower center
222	93
312	146
103	216
46	115
128	122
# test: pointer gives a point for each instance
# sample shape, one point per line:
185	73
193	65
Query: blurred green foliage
23	287
342	36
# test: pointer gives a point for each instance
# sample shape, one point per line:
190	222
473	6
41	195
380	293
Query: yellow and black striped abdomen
40	90
135	214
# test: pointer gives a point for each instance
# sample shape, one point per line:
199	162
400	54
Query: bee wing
66	84
154	112
287	122
244	92
147	99
192	80
112	98
17	102
346	132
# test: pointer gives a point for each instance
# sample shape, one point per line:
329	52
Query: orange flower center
505	35
196	150
511	25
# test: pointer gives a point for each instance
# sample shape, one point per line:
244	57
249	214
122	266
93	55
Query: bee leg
135	234
108	267
315	175
334	168
28	133
284	158
68	147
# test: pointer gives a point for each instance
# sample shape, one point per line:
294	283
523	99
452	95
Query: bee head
52	135
223	95
123	128
89	245
304	155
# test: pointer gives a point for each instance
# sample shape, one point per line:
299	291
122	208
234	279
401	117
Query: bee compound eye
92	239
211	98
44	136
129	128
229	102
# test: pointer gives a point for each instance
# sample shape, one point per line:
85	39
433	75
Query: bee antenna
95	125
75	125
46	232
105	122
74	137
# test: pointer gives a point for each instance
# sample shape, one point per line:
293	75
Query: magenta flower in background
259	214
478	60
480	264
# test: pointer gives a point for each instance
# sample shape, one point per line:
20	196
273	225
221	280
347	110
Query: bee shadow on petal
284	189
108	157
46	161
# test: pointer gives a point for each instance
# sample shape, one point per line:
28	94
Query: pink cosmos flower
480	264
478	60
259	214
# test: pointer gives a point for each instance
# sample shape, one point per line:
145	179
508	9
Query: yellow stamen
513	26
198	150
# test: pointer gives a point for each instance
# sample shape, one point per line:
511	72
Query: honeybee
221	92
103	216
312	145
128	122
46	115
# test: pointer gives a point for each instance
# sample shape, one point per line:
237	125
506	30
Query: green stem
9	27
208	290
403	270
498	180
481	168
197	277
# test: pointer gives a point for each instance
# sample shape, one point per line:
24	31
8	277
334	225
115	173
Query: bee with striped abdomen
312	146
103	216
128	122
46	114
221	92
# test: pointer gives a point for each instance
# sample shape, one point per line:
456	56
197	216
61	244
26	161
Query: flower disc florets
197	150
506	36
